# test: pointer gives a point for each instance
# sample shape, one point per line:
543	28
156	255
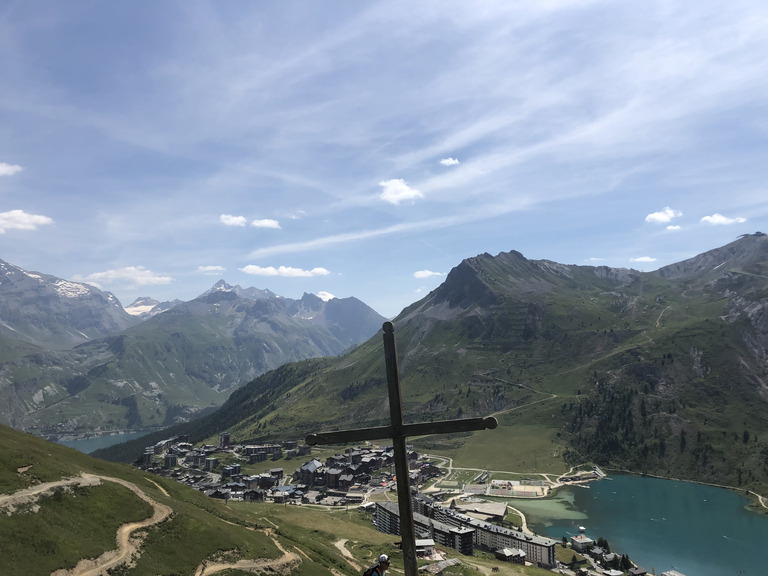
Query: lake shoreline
760	502
660	522
91	442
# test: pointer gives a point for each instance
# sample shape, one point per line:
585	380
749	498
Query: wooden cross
398	432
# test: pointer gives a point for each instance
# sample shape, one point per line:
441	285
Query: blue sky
365	148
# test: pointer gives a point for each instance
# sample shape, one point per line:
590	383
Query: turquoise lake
88	445
661	524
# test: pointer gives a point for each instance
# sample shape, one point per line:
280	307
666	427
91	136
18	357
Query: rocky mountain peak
248	293
47	311
743	254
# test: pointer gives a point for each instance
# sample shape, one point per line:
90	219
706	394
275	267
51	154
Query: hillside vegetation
63	513
663	372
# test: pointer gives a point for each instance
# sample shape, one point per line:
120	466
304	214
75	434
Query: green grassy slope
64	526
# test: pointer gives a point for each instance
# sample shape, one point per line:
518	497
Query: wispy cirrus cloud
719	220
664	216
133	275
472	214
20	220
449	161
9	169
284	271
211	269
356	236
230	220
397	191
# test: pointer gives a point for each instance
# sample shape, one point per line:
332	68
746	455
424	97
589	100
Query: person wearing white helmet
382	565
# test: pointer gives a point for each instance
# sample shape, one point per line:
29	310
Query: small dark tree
626	563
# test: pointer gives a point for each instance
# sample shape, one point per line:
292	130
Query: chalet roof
424	542
312	466
582	539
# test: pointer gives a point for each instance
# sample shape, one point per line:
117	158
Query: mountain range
662	372
73	361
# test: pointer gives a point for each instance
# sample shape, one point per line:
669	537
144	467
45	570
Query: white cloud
211	269
9	169
325	296
449	161
643	259
594	259
134	275
266	223
720	220
20	220
427	274
664	216
285	271
397	191
229	220
675	227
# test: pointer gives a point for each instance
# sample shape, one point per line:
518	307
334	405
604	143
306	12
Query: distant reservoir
88	445
661	524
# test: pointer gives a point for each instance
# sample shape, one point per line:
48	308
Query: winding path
126	546
10	502
341	545
283	565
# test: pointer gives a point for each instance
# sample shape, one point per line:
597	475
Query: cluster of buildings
462	532
197	466
341	478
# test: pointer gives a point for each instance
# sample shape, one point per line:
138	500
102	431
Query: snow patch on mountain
139	310
68	289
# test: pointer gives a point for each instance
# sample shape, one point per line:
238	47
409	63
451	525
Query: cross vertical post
397	431
401	451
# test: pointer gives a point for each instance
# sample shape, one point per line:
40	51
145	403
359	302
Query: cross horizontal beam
420	429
